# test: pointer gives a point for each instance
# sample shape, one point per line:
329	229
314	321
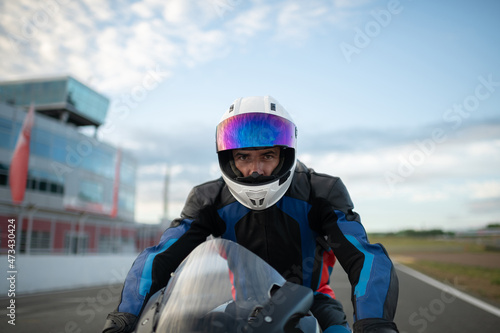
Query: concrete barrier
43	273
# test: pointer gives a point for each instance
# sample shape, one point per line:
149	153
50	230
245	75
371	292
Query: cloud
430	196
444	176
143	10
250	22
485	190
83	39
459	174
295	20
177	11
114	46
181	179
489	207
172	146
101	11
350	3
113	43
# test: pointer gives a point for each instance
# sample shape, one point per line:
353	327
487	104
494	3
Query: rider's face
262	161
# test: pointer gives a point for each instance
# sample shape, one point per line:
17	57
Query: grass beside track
433	257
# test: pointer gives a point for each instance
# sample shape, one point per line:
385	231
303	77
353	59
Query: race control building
80	192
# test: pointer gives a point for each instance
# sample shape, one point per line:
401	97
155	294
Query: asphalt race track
422	308
425	308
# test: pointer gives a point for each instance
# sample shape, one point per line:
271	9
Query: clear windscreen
219	284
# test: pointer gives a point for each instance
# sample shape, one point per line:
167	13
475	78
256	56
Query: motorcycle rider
297	220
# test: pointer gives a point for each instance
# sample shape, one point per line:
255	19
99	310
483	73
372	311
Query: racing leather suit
300	236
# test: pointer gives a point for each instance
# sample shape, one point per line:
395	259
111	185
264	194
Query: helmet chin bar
256	191
257	198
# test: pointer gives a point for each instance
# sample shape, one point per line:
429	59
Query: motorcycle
223	287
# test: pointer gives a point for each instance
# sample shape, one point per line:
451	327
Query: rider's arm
151	270
371	273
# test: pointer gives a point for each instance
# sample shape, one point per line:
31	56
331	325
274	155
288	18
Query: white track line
448	289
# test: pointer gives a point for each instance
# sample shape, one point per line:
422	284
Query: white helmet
257	122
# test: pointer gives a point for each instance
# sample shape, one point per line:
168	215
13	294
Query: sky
400	99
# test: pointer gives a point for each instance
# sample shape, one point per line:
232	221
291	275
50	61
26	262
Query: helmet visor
255	130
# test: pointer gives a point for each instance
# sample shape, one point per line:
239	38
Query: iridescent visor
255	130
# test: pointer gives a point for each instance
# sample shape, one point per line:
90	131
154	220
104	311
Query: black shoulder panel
332	189
202	195
300	188
310	186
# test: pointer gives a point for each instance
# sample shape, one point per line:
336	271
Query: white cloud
204	46
153	169
150	211
116	45
142	9
350	3
115	42
429	196
182	12
485	190
457	175
248	23
483	148
177	11
296	20
100	10
151	186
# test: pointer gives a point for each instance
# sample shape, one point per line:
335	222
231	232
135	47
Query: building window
91	192
4	174
40	181
117	244
128	245
126	200
54	188
32	183
42	185
127	172
75	242
5	133
40	241
105	244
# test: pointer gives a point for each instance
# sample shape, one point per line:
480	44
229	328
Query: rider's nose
256	167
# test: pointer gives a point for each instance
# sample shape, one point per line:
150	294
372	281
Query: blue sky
401	99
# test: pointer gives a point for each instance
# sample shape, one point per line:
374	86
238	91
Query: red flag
116	185
18	171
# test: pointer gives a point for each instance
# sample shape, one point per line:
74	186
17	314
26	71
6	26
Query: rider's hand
119	322
375	325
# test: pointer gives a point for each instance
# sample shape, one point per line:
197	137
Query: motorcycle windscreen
216	288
